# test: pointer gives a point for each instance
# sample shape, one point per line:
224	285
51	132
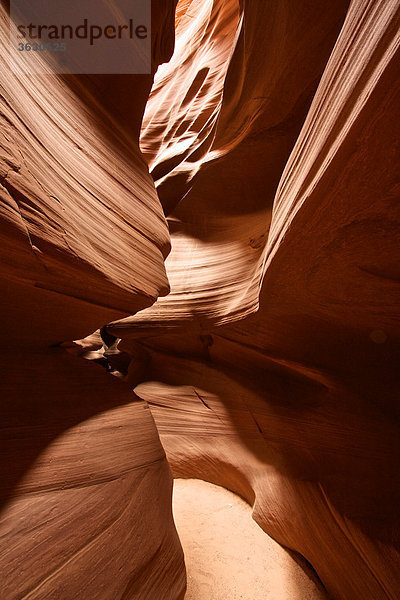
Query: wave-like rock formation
85	485
271	367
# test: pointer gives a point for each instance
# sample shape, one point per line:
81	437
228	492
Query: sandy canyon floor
228	556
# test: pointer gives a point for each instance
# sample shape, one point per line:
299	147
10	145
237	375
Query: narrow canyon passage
227	556
220	232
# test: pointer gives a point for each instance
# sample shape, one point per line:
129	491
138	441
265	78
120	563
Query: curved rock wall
85	485
221	158
295	406
272	366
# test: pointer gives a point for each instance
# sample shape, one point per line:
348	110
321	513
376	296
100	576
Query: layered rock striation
271	366
85	485
294	406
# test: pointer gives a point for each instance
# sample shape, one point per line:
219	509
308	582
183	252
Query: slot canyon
200	283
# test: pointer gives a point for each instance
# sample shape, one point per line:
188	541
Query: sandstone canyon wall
271	367
86	488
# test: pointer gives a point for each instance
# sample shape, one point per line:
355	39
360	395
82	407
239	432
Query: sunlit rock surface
218	149
271	368
293	407
85	485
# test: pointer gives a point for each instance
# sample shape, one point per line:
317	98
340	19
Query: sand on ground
228	556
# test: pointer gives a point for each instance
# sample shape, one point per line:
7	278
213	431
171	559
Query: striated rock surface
295	406
86	489
85	486
218	149
272	366
74	219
